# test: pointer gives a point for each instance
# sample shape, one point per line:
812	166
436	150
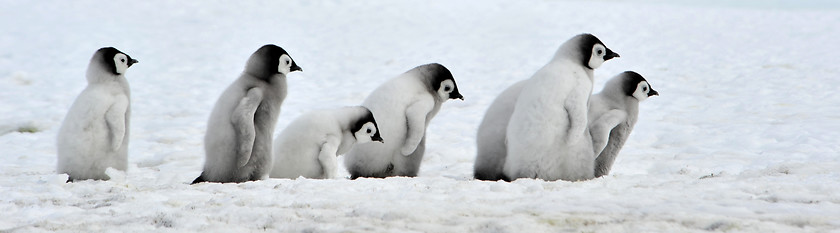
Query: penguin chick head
112	60
589	50
365	129
269	60
440	80
636	86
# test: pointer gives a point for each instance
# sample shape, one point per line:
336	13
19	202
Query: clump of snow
743	136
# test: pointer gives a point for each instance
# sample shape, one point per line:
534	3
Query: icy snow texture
744	136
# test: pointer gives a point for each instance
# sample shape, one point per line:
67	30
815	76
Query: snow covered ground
743	137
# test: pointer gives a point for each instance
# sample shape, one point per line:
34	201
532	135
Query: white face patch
121	63
597	58
285	65
446	87
642	90
365	134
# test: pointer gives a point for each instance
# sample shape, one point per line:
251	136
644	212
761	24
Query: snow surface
742	139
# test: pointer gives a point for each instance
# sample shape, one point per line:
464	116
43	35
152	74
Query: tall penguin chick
548	136
309	146
94	134
403	107
238	139
613	113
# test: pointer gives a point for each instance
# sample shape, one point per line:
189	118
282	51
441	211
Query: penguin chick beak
456	96
296	68
653	92
610	55
378	139
132	61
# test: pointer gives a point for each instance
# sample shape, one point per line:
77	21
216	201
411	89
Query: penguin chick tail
198	179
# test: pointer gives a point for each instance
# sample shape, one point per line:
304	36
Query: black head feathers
366	117
585	44
438	74
108	54
266	61
631	82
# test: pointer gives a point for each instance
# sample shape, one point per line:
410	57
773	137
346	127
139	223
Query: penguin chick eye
598	51
120	63
285	60
368	128
444	91
644	89
284	64
447	86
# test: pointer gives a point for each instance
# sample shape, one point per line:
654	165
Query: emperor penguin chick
403	107
237	144
547	134
94	134
613	113
309	146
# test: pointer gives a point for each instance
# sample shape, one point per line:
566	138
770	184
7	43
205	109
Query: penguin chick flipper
601	127
115	119
243	124
415	115
577	113
327	157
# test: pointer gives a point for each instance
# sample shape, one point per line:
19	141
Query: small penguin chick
237	143
613	112
94	134
309	145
